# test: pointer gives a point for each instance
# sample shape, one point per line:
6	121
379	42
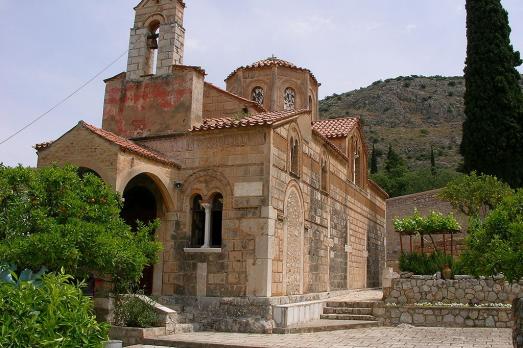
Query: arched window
216	220
257	95
197	221
357	163
310	103
295	159
151	61
289	99
324	173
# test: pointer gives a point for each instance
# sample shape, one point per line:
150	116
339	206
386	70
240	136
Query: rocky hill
411	113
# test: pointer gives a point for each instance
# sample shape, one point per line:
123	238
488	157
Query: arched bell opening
143	202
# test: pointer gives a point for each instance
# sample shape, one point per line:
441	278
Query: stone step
349	304
325	325
348	317
347	310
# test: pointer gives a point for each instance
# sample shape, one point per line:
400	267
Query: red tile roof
271	61
123	143
262	119
337	127
128	145
258	107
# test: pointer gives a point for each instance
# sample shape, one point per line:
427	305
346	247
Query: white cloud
195	45
310	25
410	27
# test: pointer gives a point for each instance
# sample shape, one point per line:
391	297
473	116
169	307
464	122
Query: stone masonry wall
237	172
338	222
424	289
424	202
517	313
219	103
435	316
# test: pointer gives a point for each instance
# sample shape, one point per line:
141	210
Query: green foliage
474	194
424	264
493	127
55	314
433	223
495	245
397	180
135	311
432	161
52	217
373	161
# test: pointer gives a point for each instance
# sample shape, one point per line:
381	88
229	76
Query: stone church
257	196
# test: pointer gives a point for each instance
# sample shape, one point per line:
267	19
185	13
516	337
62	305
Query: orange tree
53	217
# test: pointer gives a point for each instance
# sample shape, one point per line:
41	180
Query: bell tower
157	38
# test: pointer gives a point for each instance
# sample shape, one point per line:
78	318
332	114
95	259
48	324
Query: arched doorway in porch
143	202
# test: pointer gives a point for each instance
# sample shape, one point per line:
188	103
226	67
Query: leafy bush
54	314
495	245
135	311
475	194
52	217
434	222
423	264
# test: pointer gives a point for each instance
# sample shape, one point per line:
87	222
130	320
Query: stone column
207	234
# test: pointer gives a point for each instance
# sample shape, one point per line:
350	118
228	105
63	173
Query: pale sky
51	47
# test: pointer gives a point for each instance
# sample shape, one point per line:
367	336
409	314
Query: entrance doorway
142	203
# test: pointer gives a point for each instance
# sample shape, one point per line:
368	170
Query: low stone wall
297	313
132	335
464	289
439	316
517	312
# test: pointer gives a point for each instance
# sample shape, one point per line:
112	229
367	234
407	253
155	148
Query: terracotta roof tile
123	143
337	127
128	145
259	107
262	119
271	61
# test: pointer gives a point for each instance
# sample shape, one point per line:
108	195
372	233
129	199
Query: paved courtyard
372	337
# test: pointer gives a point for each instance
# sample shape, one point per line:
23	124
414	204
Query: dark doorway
141	205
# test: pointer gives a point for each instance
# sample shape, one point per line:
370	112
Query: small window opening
216	220
357	164
198	222
294	156
324	174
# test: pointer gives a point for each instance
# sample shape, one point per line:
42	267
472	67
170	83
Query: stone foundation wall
517	312
235	314
425	289
435	316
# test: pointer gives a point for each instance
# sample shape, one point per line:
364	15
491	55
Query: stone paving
404	337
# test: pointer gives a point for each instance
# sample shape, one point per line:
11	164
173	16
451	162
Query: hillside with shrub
410	113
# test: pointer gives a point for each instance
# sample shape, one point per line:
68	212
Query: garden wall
517	312
462	290
461	302
440	316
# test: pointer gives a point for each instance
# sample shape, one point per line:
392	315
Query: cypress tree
373	161
493	128
432	161
394	164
